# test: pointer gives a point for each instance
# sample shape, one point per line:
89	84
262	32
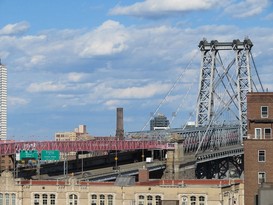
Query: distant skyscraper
159	122
3	102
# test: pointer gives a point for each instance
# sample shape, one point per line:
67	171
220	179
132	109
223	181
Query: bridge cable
170	91
256	72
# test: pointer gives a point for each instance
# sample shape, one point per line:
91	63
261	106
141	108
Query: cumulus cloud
109	38
246	8
161	7
13	29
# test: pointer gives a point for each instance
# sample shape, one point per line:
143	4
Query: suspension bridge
215	140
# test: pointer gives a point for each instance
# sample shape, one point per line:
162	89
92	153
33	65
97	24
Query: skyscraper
159	122
3	102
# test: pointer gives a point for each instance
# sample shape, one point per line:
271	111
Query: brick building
152	192
258	147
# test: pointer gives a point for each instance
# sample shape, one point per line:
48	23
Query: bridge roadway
223	152
10	148
189	162
111	173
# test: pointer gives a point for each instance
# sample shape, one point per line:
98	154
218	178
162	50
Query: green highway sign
28	154
50	155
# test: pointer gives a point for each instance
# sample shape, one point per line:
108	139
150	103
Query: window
52	199
93	199
261	157
149	200
157	200
7	199
261	177
73	199
36	199
110	200
141	200
258	133
1	199
264	111
13	199
267	133
102	199
201	200
44	199
184	200
193	200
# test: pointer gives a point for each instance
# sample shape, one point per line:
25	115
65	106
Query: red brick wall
254	103
252	166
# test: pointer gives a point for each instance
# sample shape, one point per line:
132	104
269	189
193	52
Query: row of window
50	199
44	199
99	199
7	199
157	199
266	134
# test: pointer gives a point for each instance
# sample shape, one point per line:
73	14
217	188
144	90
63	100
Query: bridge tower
218	76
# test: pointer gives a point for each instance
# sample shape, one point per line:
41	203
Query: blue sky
74	62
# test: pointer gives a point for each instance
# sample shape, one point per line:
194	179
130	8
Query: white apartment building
3	102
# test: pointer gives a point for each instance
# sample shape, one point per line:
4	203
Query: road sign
28	154
50	155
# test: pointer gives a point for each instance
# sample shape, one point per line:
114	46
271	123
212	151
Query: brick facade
259	143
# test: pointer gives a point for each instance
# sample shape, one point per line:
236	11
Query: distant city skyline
72	63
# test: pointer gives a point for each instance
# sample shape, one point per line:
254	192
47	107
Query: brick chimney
143	175
120	129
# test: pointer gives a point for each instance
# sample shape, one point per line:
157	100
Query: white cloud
75	77
45	87
17	101
146	91
246	8
37	59
13	29
161	7
110	38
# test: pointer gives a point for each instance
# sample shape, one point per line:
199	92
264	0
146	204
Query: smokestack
120	129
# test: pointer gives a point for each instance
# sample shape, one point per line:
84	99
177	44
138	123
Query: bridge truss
224	83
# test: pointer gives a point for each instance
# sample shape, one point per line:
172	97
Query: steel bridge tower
224	83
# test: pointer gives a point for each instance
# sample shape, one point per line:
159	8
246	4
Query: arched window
110	199
7	199
157	200
149	200
44	199
201	200
193	200
184	200
93	199
13	199
102	199
140	200
73	199
52	199
36	199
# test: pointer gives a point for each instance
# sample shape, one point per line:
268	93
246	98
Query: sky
74	62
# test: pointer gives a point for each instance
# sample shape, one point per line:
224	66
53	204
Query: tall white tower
3	102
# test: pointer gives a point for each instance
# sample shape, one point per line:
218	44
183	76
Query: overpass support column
179	166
